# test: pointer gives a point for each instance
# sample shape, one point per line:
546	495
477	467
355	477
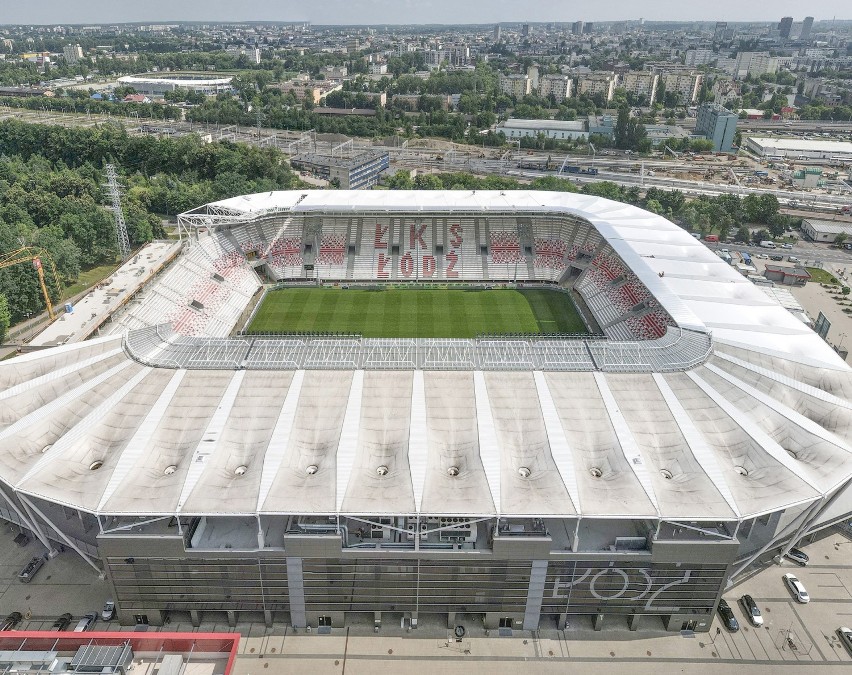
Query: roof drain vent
382	470
596	472
170	469
524	472
97	464
453	471
665	473
311	469
240	470
741	470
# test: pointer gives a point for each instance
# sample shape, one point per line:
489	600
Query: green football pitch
416	313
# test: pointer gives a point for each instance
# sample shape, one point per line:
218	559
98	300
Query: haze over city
333	12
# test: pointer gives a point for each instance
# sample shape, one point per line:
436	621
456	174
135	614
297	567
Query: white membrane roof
762	425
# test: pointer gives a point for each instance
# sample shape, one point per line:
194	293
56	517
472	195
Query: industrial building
623	477
562	130
796	148
351	173
824	230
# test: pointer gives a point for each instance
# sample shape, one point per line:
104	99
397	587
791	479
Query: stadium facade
523	482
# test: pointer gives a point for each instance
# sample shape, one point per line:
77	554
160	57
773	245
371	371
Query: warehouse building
824	230
797	148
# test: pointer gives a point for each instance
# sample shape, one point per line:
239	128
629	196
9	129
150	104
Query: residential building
807	25
515	85
318	89
716	124
699	57
719	30
497	33
560	130
577	28
755	64
597	83
525	30
588	28
557	85
641	84
725	91
785	26
687	85
377	68
72	54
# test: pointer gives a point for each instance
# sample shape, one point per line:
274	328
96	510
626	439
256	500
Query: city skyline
381	12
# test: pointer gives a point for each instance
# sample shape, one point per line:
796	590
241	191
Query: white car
786	245
797	589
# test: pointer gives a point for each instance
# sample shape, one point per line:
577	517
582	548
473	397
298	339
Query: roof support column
30	505
29	522
535	594
296	590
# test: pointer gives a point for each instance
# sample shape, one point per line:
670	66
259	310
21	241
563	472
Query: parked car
798	556
86	622
762	256
786	245
792	259
26	575
751	610
11	621
777	258
796	588
62	622
726	614
845	635
108	612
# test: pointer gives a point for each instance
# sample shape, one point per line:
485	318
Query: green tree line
52	197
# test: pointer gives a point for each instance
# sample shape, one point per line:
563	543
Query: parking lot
798	636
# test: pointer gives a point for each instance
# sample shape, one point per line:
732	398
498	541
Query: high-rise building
784	26
597	83
719	31
525	30
72	54
557	85
515	85
641	84
716	124
588	28
807	24
685	84
497	33
577	28
755	64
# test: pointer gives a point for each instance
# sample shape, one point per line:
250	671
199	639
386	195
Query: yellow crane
36	255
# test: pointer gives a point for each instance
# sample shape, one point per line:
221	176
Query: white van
767	244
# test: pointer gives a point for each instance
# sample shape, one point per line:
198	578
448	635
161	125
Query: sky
378	12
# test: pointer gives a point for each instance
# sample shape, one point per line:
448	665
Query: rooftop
803	145
544	125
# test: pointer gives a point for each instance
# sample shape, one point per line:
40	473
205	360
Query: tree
743	234
5	317
840	238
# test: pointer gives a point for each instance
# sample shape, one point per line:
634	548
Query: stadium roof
763	424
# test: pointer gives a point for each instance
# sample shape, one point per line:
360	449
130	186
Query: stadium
520	410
